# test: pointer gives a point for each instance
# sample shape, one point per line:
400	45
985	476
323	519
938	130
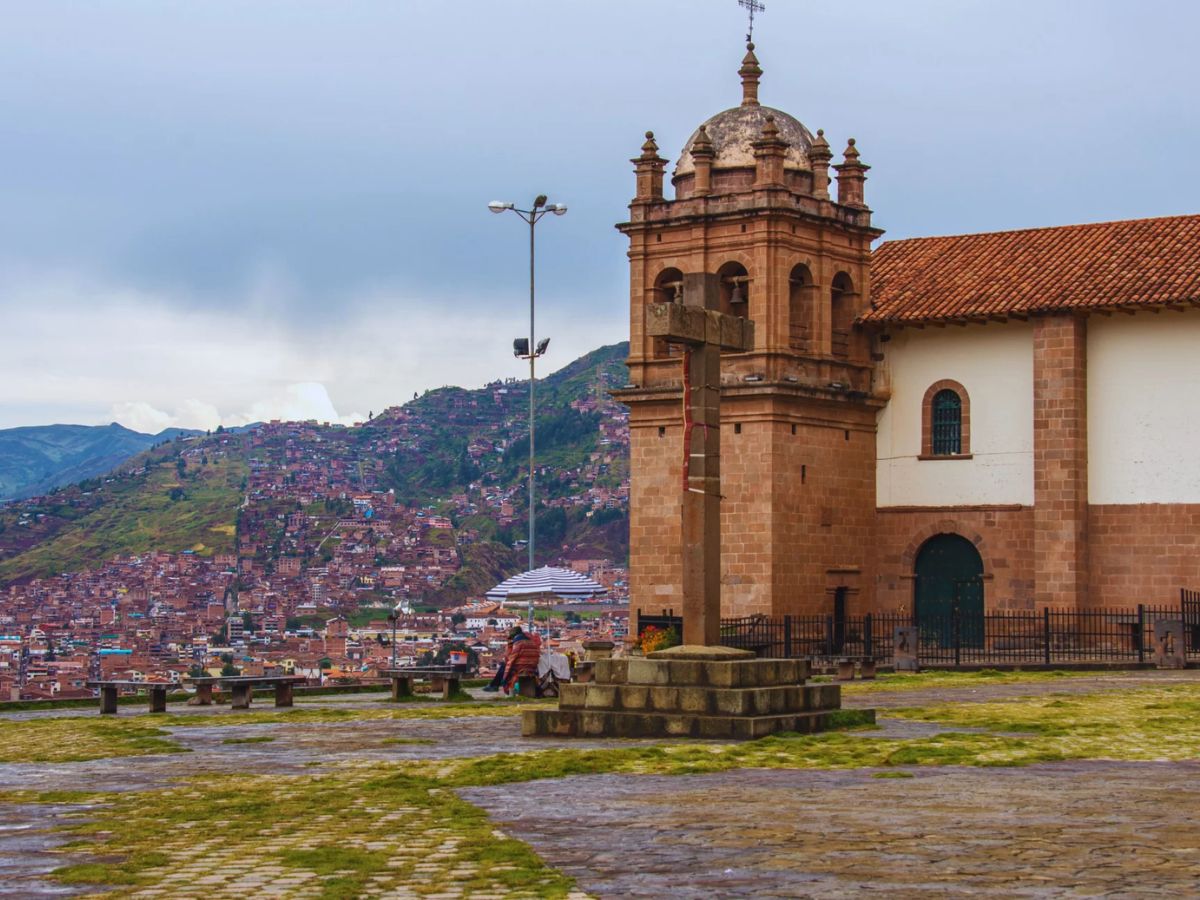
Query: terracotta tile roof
1143	262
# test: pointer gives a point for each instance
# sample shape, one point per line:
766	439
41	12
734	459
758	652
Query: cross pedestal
698	324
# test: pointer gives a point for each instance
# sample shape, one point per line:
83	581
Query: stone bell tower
752	206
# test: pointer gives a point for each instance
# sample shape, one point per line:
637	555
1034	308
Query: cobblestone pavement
1051	830
23	840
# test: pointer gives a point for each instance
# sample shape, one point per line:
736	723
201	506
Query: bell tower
752	205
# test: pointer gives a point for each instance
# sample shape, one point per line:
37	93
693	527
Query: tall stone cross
705	331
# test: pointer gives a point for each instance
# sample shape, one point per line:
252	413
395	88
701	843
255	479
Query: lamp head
499	206
539	201
542	345
521	347
560	209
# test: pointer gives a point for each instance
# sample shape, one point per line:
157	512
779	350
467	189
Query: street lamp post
526	348
393	617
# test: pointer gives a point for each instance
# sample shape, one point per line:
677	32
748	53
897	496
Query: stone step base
747	673
760	701
610	723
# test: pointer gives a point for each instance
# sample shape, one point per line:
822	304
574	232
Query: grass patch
895	773
344	829
262	739
1136	724
74	739
915	681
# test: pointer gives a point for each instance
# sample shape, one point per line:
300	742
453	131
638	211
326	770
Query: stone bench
241	687
109	690
866	667
446	679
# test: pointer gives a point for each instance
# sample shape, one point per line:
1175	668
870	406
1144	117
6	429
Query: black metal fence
1044	637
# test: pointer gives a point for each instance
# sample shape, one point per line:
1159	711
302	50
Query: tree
229	670
325	663
458	618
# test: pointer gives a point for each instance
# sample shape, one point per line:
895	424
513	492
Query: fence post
787	637
868	636
954	620
1141	633
1046	634
829	636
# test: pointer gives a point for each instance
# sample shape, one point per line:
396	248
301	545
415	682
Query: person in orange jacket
524	653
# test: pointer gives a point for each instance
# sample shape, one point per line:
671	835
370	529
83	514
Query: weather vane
754	6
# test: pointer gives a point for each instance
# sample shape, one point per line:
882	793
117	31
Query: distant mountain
37	459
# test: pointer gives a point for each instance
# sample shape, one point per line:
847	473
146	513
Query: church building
992	421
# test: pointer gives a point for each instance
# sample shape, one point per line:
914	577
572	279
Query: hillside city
284	548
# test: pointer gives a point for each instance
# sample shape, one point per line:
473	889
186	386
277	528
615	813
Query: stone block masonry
1060	461
697	692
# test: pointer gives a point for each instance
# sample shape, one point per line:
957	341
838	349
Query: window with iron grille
947	423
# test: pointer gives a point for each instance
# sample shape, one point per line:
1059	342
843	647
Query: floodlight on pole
531	349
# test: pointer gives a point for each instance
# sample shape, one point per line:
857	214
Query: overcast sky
229	210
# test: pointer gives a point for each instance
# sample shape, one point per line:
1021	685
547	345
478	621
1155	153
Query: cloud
297	403
89	351
142	417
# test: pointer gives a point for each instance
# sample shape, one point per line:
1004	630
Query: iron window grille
947	423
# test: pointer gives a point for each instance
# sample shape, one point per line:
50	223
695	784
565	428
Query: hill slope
37	459
154	508
281	490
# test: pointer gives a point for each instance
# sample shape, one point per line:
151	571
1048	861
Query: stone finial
852	175
703	145
649	168
769	153
703	154
650	148
751	72
820	156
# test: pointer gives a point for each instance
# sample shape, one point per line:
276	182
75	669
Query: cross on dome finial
753	6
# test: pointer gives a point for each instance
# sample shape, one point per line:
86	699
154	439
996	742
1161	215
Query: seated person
524	652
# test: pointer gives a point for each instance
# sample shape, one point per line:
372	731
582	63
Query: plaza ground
1022	784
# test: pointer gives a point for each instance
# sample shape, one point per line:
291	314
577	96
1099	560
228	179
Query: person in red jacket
524	653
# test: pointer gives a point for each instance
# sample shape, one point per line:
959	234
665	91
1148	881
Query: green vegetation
340	832
73	739
931	679
138	515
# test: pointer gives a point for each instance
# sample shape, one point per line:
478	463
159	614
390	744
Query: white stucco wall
1144	408
995	364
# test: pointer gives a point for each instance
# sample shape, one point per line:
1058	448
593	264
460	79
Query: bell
737	295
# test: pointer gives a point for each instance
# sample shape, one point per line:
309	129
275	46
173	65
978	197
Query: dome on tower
732	133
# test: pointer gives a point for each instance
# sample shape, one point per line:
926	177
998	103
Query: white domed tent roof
547	581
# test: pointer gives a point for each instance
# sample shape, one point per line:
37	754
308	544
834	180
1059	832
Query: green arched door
949	591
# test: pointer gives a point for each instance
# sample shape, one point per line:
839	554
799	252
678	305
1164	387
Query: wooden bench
241	687
447	679
110	689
